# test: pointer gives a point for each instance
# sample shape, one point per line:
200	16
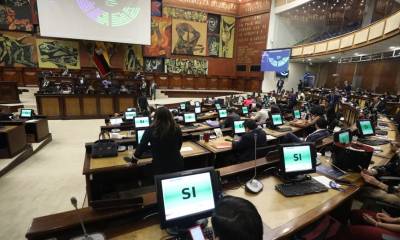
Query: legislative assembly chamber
199	119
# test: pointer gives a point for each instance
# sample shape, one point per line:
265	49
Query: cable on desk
150	215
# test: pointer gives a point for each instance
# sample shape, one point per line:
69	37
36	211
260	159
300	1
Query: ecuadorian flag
101	58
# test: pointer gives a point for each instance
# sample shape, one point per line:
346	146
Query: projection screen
123	21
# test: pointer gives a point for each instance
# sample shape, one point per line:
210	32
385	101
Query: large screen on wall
275	60
123	21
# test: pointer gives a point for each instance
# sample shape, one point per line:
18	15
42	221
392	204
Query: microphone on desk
86	236
253	185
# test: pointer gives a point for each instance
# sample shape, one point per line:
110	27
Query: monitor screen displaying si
189	117
277	119
197	110
186	196
197	104
297	114
222	113
139	136
26	113
98	20
245	110
365	128
183	106
142	122
218	106
130	115
344	137
275	60
238	127
298	158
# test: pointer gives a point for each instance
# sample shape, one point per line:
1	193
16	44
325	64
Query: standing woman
165	138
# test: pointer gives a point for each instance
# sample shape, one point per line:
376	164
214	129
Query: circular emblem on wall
113	13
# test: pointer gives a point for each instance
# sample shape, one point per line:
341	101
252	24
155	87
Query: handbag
104	147
354	157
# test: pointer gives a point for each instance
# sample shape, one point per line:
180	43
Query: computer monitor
189	118
142	122
218	106
139	135
116	121
365	128
197	104
245	110
130	115
197	110
222	113
342	137
182	106
298	158
276	119
296	114
238	127
187	196
131	110
26	113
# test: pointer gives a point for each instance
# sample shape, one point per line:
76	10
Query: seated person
318	134
247	102
368	225
377	190
238	219
261	115
244	148
232	116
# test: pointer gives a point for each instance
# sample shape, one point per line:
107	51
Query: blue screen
275	60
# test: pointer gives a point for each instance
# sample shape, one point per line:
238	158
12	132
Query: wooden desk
213	143
37	130
281	134
9	92
200	128
12	140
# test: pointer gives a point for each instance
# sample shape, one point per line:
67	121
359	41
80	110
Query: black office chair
262	151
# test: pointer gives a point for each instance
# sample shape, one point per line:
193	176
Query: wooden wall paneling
30	77
225	83
89	105
124	103
175	81
13	74
221	66
212	82
200	83
188	82
72	106
106	104
50	106
387	77
252	85
162	81
239	84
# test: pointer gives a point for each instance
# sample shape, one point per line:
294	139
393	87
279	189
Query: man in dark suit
244	147
232	116
320	133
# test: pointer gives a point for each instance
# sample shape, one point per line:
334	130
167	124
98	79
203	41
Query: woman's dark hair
164	123
236	219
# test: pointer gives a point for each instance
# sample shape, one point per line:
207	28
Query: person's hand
383	217
370	220
371	172
370	179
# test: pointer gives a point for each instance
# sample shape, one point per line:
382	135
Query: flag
101	59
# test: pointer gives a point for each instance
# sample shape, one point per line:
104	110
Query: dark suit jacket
244	148
315	136
230	119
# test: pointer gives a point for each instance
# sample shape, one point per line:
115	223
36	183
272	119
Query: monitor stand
182	229
297	178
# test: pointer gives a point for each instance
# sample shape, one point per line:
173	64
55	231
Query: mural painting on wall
186	66
34	10
189	38
17	50
156	7
58	53
184	14
154	65
16	15
133	58
213	29
227	37
160	38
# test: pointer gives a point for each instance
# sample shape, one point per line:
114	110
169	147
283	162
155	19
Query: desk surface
189	149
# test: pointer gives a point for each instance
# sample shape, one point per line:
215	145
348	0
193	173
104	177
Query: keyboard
283	129
146	154
189	127
207	232
372	142
300	188
381	132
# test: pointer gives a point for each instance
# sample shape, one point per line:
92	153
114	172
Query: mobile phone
197	233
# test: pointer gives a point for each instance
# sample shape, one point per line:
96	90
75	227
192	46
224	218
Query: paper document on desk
324	180
270	137
32	121
222	145
186	149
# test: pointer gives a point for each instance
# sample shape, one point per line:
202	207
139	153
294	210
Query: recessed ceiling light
394	47
309	59
359	54
333	57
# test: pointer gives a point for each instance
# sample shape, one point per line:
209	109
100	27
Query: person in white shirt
261	115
